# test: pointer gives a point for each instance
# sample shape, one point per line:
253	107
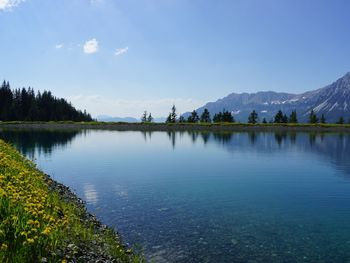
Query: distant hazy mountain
333	101
107	118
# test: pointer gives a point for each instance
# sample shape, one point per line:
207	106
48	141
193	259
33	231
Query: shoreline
45	221
215	127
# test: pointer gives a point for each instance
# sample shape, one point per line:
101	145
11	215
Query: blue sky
120	57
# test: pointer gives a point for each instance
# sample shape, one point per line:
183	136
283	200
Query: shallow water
205	197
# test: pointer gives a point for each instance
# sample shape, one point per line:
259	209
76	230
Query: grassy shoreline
180	126
43	221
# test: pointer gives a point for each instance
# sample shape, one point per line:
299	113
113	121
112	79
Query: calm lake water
208	197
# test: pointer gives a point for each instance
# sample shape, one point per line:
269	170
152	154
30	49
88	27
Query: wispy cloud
93	2
59	46
120	51
9	4
91	46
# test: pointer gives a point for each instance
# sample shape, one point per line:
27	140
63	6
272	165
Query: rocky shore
86	251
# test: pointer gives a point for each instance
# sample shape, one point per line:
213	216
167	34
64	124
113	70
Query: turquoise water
203	197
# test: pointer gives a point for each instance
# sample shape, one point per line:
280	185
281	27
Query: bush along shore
43	221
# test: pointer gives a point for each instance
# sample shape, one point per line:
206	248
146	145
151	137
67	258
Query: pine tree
172	115
264	121
144	117
253	117
285	119
193	118
217	117
341	120
150	118
313	117
227	116
322	119
279	117
205	117
293	117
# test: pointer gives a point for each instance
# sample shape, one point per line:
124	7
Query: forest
27	105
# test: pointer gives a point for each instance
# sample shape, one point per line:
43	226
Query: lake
207	197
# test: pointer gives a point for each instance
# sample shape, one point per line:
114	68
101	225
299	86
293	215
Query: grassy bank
42	221
122	126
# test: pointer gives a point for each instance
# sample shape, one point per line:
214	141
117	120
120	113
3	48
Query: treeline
226	116
26	105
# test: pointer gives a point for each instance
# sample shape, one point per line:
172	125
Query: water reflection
334	146
236	197
90	193
331	146
29	141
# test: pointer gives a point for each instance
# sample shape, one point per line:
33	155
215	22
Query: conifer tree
313	117
253	117
322	119
205	117
172	115
217	117
279	117
341	120
144	117
150	118
227	116
293	117
193	118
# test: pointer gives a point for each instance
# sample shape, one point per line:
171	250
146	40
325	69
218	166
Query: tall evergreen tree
172	115
341	120
293	117
322	119
217	117
253	117
224	116
313	117
279	117
227	116
193	118
205	117
144	117
150	118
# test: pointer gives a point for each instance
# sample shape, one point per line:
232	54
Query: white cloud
120	51
94	2
100	105
57	46
91	46
8	4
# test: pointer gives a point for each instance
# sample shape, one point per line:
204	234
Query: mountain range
107	118
333	101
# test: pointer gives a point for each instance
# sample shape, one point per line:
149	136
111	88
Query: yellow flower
46	231
30	240
3	246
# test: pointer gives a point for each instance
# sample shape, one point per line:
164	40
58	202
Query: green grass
36	222
187	125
